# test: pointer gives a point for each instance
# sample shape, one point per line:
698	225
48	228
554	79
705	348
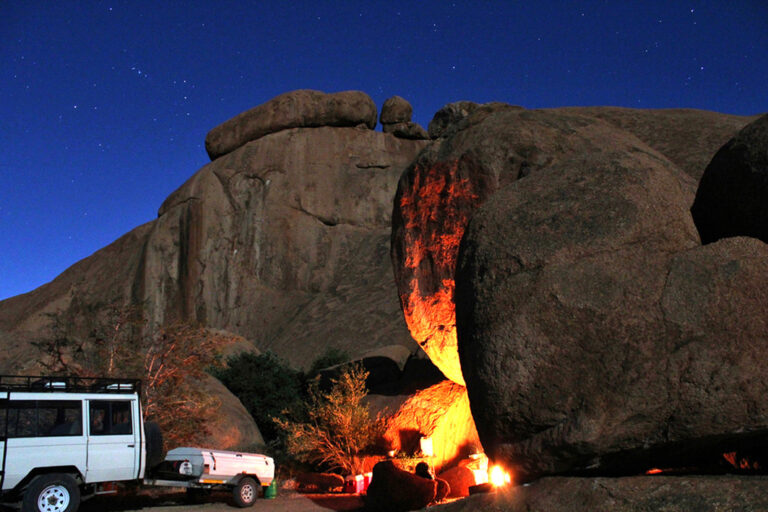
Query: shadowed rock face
395	490
486	147
732	199
594	331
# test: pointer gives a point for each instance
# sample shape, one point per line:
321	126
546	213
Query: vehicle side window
42	418
110	417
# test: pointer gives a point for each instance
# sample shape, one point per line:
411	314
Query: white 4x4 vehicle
63	437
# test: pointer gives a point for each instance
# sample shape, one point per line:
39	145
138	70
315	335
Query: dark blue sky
104	106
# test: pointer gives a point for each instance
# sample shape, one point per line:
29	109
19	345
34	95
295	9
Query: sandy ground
221	502
218	502
286	501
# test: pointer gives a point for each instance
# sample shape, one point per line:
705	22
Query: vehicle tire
246	492
54	492
154	443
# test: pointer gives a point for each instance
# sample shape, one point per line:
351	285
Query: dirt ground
222	502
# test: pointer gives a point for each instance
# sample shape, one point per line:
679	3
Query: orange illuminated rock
440	412
483	147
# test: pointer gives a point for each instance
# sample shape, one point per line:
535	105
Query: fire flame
740	462
498	477
435	211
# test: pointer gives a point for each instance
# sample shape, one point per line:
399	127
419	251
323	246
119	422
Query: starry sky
104	106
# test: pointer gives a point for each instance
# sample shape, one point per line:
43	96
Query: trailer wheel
245	492
54	492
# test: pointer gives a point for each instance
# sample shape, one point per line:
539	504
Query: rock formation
295	109
233	427
593	328
595	331
482	148
731	199
282	239
636	494
572	303
441	413
395	490
396	119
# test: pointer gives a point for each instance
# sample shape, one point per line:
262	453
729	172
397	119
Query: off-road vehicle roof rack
68	384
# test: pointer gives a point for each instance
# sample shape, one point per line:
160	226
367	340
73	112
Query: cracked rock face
595	332
287	243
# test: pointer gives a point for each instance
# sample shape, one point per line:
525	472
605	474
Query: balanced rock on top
295	109
396	119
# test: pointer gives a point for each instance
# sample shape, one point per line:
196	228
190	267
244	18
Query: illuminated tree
339	429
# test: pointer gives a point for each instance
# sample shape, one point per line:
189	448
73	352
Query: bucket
270	492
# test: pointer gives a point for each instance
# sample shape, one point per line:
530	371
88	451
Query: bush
338	430
331	357
267	387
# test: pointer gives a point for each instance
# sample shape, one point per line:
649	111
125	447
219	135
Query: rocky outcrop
395	490
441	413
732	199
295	109
233	427
396	119
407	130
637	494
283	241
594	331
491	146
396	110
449	115
687	137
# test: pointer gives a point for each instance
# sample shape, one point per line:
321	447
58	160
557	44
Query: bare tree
115	341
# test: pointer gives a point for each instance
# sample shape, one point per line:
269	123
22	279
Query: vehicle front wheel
245	492
54	492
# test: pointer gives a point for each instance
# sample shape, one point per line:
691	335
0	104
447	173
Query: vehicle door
39	434
112	440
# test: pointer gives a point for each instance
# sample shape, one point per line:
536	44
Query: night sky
104	106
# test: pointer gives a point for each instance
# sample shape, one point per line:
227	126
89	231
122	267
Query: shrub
267	387
338	430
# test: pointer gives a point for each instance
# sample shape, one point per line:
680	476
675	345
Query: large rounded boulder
486	147
304	108
732	199
595	333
